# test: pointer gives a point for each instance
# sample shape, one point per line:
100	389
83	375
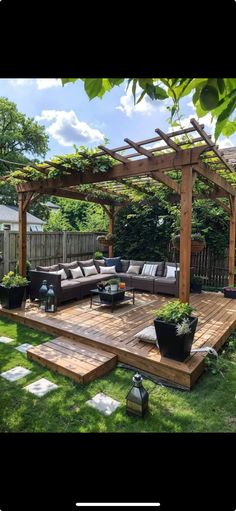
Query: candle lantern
43	295
137	398
50	300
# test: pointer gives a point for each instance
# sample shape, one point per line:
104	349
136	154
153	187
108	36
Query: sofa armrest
177	278
36	279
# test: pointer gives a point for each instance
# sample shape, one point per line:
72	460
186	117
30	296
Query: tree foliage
20	136
75	215
214	95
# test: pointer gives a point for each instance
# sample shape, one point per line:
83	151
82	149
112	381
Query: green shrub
28	266
12	280
98	255
174	312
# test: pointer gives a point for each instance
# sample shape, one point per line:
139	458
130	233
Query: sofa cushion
137	263
68	266
160	267
60	272
133	269
93	279
107	269
90	270
165	280
124	265
86	262
76	273
54	267
113	261
170	271
149	269
98	263
70	283
175	265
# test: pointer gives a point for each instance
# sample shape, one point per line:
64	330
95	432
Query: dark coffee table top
119	291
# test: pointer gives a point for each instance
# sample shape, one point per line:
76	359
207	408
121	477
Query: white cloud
128	107
225	142
46	83
67	129
20	82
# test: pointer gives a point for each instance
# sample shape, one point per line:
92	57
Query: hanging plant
106	239
198	242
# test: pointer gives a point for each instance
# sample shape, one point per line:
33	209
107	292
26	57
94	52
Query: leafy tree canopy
214	95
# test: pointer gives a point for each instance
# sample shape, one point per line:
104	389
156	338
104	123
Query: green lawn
209	407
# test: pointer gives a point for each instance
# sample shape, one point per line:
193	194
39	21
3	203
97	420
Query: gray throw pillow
137	263
54	267
68	266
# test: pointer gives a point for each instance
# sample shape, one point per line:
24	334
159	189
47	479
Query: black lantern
137	398
50	300
43	295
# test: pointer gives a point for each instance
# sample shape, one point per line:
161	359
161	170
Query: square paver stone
6	340
24	347
41	387
104	404
16	373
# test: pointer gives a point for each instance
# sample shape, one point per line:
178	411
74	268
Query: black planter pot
12	297
170	344
196	288
230	293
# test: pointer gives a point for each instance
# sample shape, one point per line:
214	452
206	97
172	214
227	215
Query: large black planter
196	288
170	344
229	293
12	297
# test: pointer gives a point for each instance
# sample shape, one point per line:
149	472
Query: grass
209	407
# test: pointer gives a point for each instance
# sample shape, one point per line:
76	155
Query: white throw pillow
90	270
108	269
76	272
133	269
149	270
170	271
60	272
148	334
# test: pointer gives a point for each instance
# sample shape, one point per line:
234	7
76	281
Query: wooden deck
114	333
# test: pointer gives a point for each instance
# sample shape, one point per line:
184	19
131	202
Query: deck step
74	359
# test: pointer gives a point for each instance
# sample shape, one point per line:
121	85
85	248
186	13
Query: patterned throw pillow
76	272
113	261
107	269
90	270
60	272
133	269
149	270
148	334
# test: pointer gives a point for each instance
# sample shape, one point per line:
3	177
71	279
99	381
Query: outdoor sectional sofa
77	288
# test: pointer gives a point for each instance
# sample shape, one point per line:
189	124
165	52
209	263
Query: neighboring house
50	205
9	220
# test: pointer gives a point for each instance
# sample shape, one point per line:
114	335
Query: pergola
194	157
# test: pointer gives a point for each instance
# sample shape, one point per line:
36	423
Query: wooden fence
46	248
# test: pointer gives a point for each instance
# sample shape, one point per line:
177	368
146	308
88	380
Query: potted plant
12	290
98	255
198	242
196	284
230	292
106	239
175	329
114	284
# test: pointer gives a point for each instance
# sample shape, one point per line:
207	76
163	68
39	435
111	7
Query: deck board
100	329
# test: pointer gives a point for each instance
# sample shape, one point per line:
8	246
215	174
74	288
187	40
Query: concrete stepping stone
104	404
24	347
16	373
41	387
5	340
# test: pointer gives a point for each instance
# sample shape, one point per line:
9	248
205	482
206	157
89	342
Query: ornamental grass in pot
175	328
12	290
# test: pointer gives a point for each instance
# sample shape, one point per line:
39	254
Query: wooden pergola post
185	233
22	235
232	226
111	229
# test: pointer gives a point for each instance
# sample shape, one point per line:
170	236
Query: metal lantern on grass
51	305
137	398
43	295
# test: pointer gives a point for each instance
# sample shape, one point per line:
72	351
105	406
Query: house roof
10	214
51	205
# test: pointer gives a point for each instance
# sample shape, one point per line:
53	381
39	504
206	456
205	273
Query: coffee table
111	298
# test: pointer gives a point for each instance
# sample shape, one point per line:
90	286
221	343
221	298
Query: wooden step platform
74	359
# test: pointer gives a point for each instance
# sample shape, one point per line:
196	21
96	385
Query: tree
20	136
214	95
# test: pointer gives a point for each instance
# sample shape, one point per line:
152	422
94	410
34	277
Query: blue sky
70	118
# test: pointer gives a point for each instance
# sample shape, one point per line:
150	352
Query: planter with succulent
114	283
198	242
175	329
106	239
12	290
196	284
